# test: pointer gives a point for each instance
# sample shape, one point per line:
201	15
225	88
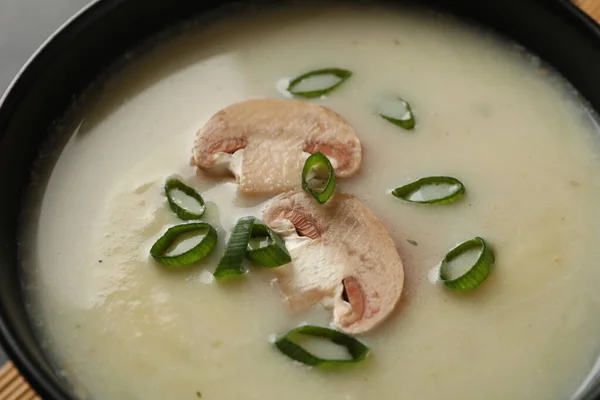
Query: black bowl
62	68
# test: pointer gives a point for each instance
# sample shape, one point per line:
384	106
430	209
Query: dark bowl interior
554	29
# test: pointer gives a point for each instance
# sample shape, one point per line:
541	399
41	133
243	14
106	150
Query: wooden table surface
592	7
14	387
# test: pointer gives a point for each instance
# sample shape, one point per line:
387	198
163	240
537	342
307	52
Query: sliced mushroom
342	256
273	139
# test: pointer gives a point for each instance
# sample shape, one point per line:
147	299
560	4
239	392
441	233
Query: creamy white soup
119	325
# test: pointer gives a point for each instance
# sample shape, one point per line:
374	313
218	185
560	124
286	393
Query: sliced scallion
476	273
286	344
417	191
274	254
173	184
406	120
160	249
315	163
230	265
341	74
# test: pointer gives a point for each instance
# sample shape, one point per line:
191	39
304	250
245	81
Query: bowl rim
37	377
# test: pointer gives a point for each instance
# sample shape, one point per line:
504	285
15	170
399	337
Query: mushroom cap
346	259
275	136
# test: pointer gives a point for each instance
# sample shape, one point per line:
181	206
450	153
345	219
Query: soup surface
119	325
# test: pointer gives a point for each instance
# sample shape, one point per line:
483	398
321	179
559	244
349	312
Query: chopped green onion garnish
431	190
273	254
341	74
195	254
287	346
230	265
475	274
406	120
186	215
314	163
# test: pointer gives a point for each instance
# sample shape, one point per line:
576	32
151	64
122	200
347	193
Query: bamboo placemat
592	7
14	387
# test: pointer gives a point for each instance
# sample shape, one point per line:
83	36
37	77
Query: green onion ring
404	192
478	273
173	184
191	256
406	123
230	265
343	74
287	346
272	255
314	160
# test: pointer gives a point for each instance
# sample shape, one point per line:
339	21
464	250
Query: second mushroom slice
265	142
342	256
